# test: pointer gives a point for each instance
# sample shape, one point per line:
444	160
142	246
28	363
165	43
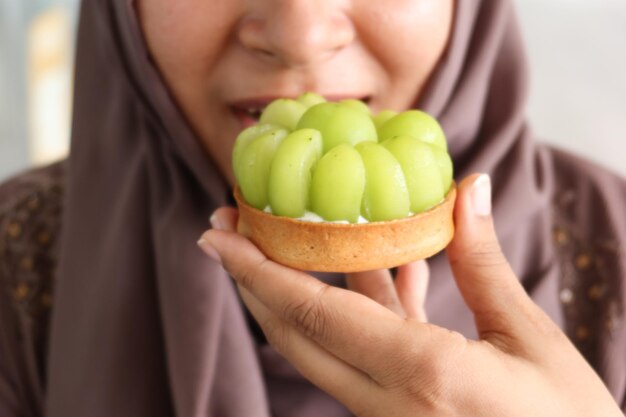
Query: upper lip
259	103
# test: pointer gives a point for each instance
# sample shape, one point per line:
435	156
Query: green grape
310	99
445	167
290	173
283	112
337	185
356	105
421	171
254	167
244	138
382	117
338	124
386	196
414	123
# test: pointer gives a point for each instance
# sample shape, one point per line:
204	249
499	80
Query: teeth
254	112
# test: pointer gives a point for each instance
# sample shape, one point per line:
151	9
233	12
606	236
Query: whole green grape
290	173
283	112
356	105
386	196
338	124
310	99
337	185
445	167
417	124
381	118
421	171
254	167
244	138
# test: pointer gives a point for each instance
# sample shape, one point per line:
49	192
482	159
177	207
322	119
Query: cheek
410	35
203	27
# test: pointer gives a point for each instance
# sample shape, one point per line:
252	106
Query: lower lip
244	118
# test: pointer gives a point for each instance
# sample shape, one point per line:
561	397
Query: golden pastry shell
336	247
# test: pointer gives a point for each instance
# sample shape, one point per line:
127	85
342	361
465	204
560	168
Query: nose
296	33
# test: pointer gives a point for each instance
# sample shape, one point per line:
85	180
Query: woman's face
224	60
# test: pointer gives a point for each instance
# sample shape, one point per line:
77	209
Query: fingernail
209	250
481	195
215	222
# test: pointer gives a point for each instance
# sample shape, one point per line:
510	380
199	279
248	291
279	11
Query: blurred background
577	52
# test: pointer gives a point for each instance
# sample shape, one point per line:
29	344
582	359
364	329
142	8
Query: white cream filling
309	216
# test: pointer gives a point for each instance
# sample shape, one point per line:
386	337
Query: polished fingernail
207	248
481	195
215	222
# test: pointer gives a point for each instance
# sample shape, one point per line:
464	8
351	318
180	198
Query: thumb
482	273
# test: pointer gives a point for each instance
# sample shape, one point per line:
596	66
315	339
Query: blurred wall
577	52
36	54
13	152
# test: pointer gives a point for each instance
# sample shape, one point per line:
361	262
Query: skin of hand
370	346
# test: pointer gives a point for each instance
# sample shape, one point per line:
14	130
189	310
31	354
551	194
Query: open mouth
249	111
248	116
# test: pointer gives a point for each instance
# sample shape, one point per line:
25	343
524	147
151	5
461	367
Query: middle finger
377	285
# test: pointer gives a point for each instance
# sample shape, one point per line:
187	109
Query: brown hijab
145	324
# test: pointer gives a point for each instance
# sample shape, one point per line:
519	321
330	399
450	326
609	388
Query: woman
143	323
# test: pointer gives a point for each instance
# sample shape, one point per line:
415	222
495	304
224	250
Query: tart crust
333	247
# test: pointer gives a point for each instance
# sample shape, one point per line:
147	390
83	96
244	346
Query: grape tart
325	186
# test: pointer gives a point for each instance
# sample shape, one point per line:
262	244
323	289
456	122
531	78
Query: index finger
339	320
